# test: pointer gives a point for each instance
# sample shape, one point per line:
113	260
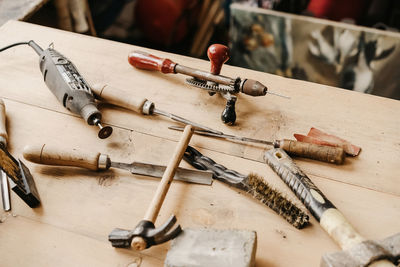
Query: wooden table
81	207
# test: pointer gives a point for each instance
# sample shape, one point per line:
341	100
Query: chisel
47	155
300	149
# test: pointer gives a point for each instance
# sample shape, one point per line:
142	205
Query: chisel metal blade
186	175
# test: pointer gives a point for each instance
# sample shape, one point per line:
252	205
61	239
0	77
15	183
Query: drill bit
253	184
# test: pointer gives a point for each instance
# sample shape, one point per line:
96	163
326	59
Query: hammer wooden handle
47	155
146	61
313	151
169	173
119	97
138	242
3	130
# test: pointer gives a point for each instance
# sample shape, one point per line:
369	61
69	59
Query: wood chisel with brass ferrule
48	155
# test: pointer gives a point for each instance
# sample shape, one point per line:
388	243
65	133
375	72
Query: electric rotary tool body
68	85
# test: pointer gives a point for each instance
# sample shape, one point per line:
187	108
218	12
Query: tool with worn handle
5	187
300	149
212	81
145	234
68	85
252	184
357	251
140	105
48	155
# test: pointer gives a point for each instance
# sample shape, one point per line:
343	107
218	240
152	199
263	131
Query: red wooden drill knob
218	55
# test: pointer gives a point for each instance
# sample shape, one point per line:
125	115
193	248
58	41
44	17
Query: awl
47	155
140	105
300	149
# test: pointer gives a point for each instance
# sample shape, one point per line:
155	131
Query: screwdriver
140	105
301	149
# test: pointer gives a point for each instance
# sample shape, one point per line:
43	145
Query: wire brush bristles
274	199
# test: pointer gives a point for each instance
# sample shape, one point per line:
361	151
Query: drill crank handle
47	155
146	61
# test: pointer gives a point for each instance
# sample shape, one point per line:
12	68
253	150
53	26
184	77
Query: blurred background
348	44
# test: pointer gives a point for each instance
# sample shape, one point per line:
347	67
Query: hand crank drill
145	234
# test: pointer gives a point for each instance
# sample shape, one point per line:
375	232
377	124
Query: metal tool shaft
225	136
185	121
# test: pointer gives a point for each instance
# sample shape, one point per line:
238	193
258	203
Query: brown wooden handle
47	155
218	55
119	97
143	60
3	129
169	173
313	151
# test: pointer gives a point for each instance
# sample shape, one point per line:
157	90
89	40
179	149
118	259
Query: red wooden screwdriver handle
146	61
218	55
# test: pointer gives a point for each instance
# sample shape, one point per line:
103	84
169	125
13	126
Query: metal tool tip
105	132
284	96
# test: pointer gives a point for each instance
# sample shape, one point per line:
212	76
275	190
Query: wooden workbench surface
81	207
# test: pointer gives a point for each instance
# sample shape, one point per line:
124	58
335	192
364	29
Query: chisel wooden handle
312	151
47	155
143	60
3	130
119	97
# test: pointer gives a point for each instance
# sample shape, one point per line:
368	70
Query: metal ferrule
148	107
104	162
204	75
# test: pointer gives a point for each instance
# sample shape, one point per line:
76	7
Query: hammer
357	251
145	234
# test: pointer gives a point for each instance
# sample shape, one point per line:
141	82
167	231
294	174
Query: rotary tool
67	84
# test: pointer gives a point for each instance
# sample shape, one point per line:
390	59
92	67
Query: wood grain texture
80	207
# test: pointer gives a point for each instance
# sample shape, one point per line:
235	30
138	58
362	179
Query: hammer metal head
21	180
121	238
365	253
